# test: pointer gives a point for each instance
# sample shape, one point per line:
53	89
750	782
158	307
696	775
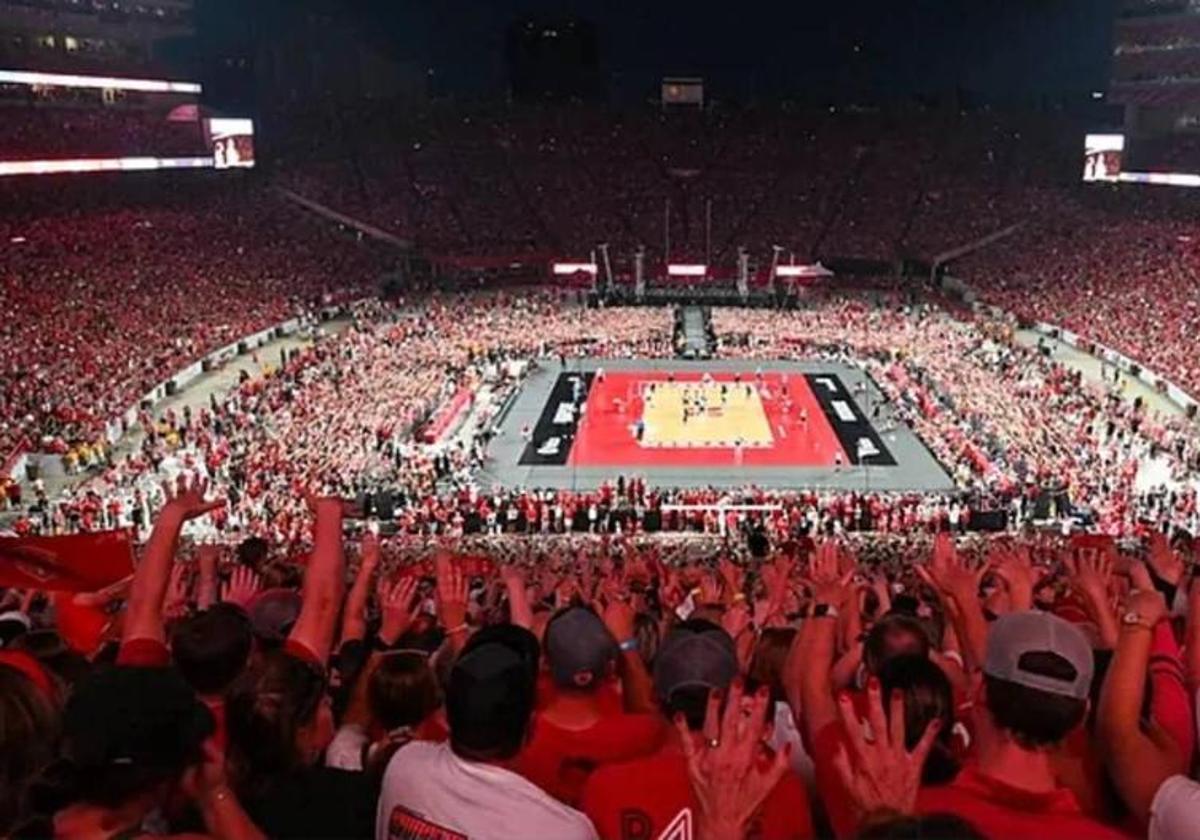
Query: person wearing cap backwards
1037	675
644	797
468	787
581	727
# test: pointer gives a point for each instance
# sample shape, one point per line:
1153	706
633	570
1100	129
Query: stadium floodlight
27	77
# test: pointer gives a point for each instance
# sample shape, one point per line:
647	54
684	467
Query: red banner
75	563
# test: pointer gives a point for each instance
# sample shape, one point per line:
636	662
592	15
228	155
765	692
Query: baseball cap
145	717
579	648
696	654
1014	637
273	612
492	689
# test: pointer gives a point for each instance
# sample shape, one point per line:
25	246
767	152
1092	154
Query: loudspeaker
243	348
172	387
988	521
385	505
652	521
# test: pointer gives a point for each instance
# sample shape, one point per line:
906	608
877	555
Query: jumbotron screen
116	124
1104	161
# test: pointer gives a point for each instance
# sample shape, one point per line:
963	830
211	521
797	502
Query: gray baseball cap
696	654
1015	635
578	648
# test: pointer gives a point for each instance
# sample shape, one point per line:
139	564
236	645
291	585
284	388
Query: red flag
75	563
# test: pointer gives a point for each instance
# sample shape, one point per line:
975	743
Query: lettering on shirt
405	825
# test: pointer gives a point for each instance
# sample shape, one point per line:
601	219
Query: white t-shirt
428	791
1175	811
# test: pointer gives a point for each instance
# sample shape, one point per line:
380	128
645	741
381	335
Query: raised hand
729	781
451	594
178	591
1149	606
242	586
619	617
1165	563
186	499
1014	566
398	608
880	773
1091	574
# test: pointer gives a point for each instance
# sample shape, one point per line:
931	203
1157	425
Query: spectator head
273	613
28	738
491	694
925	827
279	719
1037	677
697	658
770	656
927	696
402	690
211	648
579	649
894	635
253	553
129	733
65	665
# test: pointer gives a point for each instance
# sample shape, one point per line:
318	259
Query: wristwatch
628	645
825	611
1133	619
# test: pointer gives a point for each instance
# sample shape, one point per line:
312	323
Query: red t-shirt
559	760
999	811
637	800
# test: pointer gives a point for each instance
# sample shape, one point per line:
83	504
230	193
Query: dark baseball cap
579	648
492	690
145	717
696	654
1013	637
273	613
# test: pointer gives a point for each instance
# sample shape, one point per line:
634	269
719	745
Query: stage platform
775	424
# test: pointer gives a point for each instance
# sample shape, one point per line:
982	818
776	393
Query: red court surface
605	437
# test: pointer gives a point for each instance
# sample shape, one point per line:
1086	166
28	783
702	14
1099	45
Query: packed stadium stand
277	560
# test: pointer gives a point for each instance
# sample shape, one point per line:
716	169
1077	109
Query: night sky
997	51
1001	50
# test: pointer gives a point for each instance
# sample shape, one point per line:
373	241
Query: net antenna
743	273
776	250
608	275
639	273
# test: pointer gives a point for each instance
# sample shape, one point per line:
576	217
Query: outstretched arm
144	618
324	584
1138	760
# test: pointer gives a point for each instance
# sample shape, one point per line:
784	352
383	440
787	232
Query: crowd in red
1010	424
607	687
105	303
52	132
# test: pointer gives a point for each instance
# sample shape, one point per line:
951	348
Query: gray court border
916	469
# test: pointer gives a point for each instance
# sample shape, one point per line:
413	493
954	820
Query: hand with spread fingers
729	779
880	773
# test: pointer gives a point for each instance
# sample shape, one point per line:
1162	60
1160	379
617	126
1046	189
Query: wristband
739	597
462	628
628	646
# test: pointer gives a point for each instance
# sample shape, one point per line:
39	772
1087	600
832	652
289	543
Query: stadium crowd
92	287
1012	426
605	687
